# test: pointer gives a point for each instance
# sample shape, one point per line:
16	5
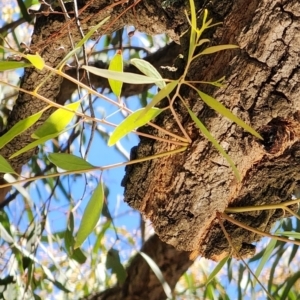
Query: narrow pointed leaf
132	122
116	64
69	162
124	76
40	141
10	65
218	48
160	95
68	237
265	258
217	269
79	256
214	142
90	216
36	60
113	262
152	264
57	121
82	41
4	235
91	32
5	166
193	34
220	108
147	69
18	128
202	41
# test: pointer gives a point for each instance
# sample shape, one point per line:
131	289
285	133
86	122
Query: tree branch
141	283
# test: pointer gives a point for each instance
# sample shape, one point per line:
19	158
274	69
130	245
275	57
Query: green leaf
220	108
69	239
116	64
265	258
160	95
147	69
91	32
36	60
193	23
5	167
152	264
40	141
29	3
290	282
218	48
10	65
69	162
113	262
290	234
57	121
214	142
202	41
132	122
82	41
122	76
18	128
4	235
60	286
217	269
79	256
90	216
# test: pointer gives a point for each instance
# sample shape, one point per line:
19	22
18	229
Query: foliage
78	257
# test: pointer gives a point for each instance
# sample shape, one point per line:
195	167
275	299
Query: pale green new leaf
57	121
18	128
90	216
36	60
217	269
193	29
10	65
220	108
122	76
160	95
69	162
116	64
147	69
158	274
5	166
218	48
40	141
202	41
132	122
214	142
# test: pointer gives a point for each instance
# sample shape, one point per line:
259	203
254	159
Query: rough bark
182	194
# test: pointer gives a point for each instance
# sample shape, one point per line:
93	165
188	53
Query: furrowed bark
182	194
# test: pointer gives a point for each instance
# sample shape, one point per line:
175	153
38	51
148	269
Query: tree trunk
141	283
183	193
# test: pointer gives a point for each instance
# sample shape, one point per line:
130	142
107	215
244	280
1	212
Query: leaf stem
131	162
